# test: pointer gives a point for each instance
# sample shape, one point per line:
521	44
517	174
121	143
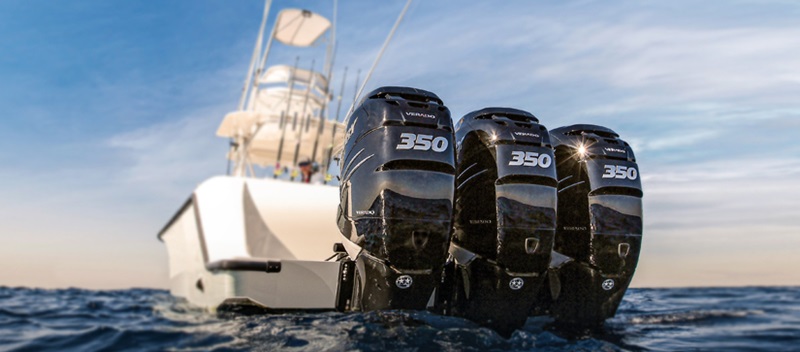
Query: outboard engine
599	233
505	217
396	189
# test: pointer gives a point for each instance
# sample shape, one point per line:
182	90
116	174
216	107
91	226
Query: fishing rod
284	117
358	73
320	126
323	111
330	56
299	134
335	125
332	51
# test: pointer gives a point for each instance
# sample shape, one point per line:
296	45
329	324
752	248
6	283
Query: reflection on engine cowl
599	230
505	217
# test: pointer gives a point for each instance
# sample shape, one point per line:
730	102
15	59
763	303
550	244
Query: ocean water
718	319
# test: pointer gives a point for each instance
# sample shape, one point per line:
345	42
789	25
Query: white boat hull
259	241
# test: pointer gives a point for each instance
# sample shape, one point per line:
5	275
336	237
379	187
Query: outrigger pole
378	58
254	59
331	50
246	86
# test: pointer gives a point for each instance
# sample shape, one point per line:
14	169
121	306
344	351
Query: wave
693	316
152	320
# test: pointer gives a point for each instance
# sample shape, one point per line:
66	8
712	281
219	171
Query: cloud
578	64
719	210
696	63
723	222
172	155
682	138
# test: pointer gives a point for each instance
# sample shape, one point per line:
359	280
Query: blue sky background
108	111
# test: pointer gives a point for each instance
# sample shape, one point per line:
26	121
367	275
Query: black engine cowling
505	216
396	189
524	214
599	231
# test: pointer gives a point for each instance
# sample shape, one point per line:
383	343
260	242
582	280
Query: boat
494	218
263	241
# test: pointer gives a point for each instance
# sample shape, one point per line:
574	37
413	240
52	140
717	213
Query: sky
108	112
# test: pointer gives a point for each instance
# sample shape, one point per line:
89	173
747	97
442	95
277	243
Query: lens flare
582	151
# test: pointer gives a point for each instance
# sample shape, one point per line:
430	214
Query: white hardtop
298	27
